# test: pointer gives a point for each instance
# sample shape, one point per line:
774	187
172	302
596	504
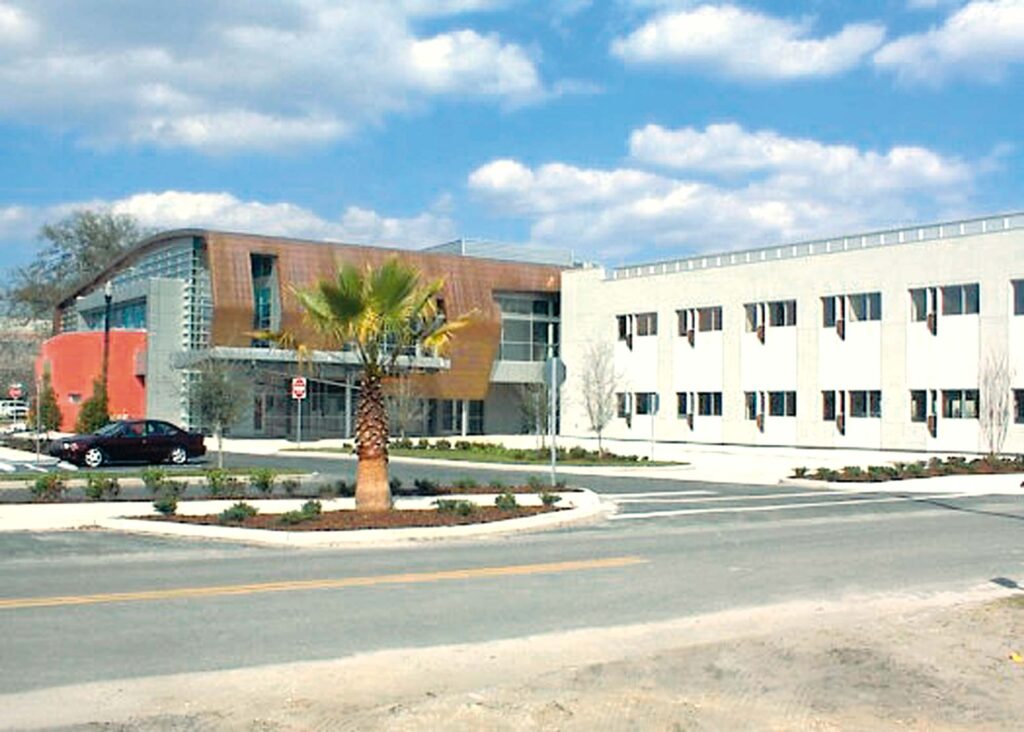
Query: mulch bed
354	520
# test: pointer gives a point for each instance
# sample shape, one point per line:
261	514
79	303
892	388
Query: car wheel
179	456
93	457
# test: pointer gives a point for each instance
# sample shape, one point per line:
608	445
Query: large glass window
866	404
709	319
529	326
828	405
1018	406
1018	297
647	324
782	313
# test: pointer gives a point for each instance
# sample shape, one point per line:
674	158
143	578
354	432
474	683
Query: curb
988	484
587	507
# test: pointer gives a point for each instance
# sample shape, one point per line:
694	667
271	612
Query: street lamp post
108	295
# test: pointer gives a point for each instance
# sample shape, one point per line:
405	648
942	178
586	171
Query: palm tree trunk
373	493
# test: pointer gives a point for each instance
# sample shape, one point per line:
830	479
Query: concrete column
465	417
348	405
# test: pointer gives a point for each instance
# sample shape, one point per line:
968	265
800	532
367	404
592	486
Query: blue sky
626	130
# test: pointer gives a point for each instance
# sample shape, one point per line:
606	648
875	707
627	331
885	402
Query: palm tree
382	313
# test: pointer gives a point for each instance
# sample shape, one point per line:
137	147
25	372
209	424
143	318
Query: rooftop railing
912	235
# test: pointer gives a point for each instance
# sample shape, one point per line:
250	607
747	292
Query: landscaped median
983	475
464	515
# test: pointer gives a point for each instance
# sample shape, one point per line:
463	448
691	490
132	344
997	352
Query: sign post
554	375
298	394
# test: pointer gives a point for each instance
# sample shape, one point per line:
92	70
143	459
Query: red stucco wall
75	361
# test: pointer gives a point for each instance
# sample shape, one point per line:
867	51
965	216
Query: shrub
496	484
423	444
219	482
461	508
579	453
560	484
463	445
425	487
851	473
290	486
442	444
153	478
825	474
309	511
166	505
290	518
312	508
237	513
48	487
171	488
466	483
506	502
263	479
534	483
395	484
799	472
549	499
402	444
344	489
98	487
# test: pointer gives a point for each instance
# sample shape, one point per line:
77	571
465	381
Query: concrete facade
755	341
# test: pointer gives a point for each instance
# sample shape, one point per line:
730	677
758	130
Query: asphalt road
674	549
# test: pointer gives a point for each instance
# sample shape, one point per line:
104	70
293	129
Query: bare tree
219	396
406	408
534	406
996	379
598	384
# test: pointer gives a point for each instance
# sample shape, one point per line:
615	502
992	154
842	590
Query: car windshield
110	430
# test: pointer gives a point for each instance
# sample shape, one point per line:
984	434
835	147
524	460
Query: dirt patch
356	520
864	664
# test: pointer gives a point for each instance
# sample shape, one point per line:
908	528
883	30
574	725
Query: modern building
185	297
890	339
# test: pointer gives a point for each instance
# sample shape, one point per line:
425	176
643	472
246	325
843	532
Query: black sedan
138	440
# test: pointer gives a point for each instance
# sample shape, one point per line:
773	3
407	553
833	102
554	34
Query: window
919	305
1018	297
622	405
866	404
960	404
709	403
866	306
682	404
828	312
918	405
709	319
685	321
828	405
960	299
750	404
529	329
782	403
646	403
623	321
1018	406
647	324
752	320
782	312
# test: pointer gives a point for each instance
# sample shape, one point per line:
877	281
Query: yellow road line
178	593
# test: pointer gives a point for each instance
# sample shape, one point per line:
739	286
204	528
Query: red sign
299	387
16	391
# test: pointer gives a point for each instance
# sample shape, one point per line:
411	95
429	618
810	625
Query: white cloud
755	188
980	40
220	74
15	26
19	225
746	44
728	148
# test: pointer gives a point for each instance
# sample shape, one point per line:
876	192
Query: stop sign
16	391
299	387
